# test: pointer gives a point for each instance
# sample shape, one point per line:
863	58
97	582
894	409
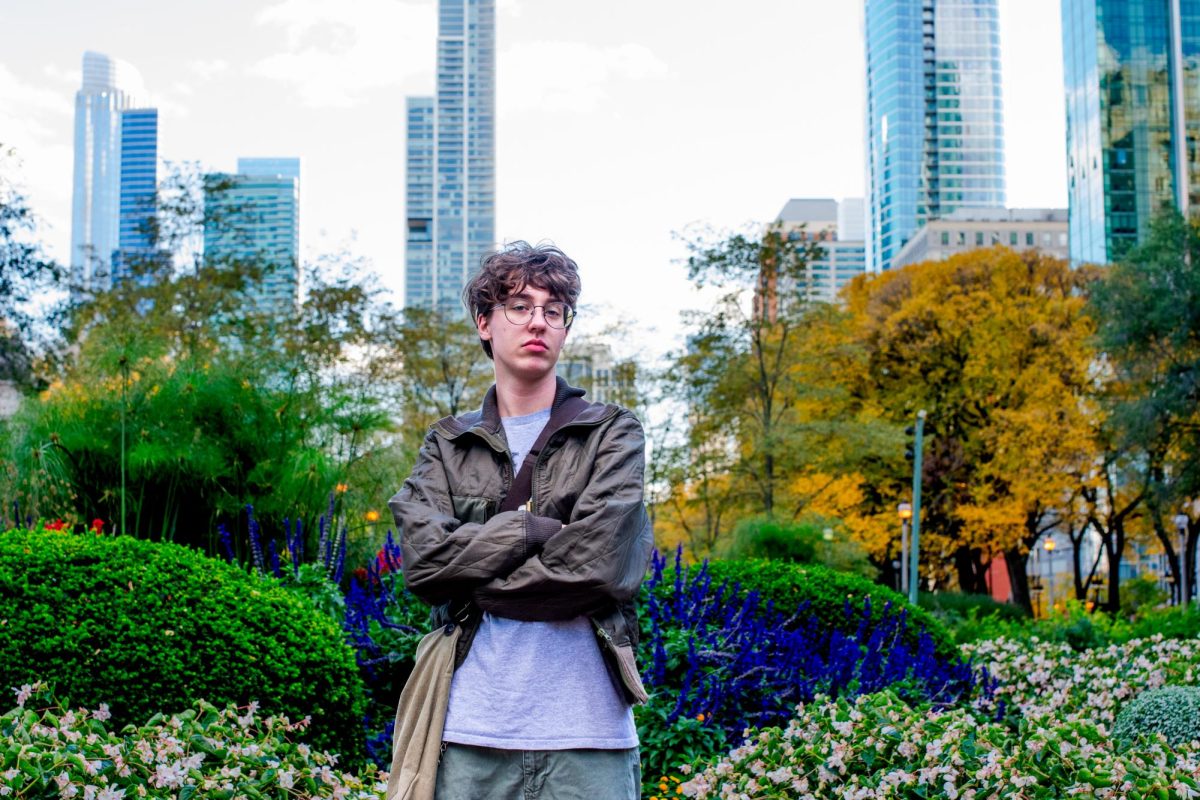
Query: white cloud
336	53
208	69
571	76
36	123
18	98
73	77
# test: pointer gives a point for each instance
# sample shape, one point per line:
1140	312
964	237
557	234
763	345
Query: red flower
57	525
97	526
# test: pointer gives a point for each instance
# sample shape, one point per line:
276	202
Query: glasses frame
568	314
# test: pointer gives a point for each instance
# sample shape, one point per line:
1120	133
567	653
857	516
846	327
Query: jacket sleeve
600	555
444	558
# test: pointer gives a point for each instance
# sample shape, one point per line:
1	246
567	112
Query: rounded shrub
1173	711
153	627
827	595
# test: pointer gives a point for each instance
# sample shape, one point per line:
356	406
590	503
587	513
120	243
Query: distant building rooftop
809	210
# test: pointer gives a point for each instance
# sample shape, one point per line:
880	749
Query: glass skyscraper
1133	118
110	89
934	126
139	186
451	181
253	217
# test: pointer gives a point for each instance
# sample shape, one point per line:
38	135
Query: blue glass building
1133	118
451	180
934	116
139	185
253	217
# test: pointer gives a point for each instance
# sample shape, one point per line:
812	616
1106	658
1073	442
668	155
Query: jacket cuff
537	531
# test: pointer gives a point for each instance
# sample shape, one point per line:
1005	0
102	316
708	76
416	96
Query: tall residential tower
451	181
1133	118
116	156
934	126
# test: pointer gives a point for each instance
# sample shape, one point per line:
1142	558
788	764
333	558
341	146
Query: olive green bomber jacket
582	548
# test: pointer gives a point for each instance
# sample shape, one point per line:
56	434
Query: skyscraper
934	122
451	180
1133	116
110	88
253	217
139	187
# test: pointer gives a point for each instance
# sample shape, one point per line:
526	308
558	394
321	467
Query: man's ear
483	325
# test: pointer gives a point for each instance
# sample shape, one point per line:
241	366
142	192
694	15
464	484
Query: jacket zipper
632	682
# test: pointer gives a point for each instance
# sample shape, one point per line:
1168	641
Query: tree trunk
972	577
1017	563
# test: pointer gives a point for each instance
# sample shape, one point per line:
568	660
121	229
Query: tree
994	345
183	402
28	280
1148	314
439	367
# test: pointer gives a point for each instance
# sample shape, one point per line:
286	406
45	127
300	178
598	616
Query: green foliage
1076	627
48	750
1141	593
776	539
801	541
665	746
1173	711
151	627
952	607
827	593
1174	622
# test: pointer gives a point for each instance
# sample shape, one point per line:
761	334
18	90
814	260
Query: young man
541	699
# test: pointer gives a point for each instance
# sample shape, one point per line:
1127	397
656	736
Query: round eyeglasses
519	312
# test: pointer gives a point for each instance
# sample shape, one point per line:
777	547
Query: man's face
524	353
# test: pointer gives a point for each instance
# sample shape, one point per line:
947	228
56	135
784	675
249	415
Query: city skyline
611	138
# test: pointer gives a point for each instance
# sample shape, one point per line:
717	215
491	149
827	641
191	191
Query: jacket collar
485	422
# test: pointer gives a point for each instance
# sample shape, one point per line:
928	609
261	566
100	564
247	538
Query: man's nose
537	319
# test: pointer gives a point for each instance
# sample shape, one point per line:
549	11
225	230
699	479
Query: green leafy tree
1148	314
29	310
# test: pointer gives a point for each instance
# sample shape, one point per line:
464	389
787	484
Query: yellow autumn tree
994	345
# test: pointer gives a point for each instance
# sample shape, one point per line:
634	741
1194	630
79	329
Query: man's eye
554	313
520	308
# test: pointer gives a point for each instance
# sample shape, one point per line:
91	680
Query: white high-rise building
109	87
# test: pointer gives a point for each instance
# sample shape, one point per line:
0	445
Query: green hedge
148	627
1173	711
787	585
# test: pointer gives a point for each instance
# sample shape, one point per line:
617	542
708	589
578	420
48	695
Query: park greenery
200	595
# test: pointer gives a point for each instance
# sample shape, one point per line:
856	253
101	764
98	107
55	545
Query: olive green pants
484	773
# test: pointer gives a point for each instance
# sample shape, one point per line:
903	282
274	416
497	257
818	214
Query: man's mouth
537	345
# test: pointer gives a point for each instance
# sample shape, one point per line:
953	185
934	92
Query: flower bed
49	751
1045	734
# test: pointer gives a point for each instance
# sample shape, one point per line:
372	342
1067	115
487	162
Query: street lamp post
905	512
1181	526
914	575
827	535
1049	575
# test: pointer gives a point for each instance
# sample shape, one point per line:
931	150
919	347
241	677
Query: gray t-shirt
536	685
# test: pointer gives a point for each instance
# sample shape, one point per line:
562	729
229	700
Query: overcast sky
619	124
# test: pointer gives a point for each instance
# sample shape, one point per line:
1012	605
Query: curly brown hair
515	266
